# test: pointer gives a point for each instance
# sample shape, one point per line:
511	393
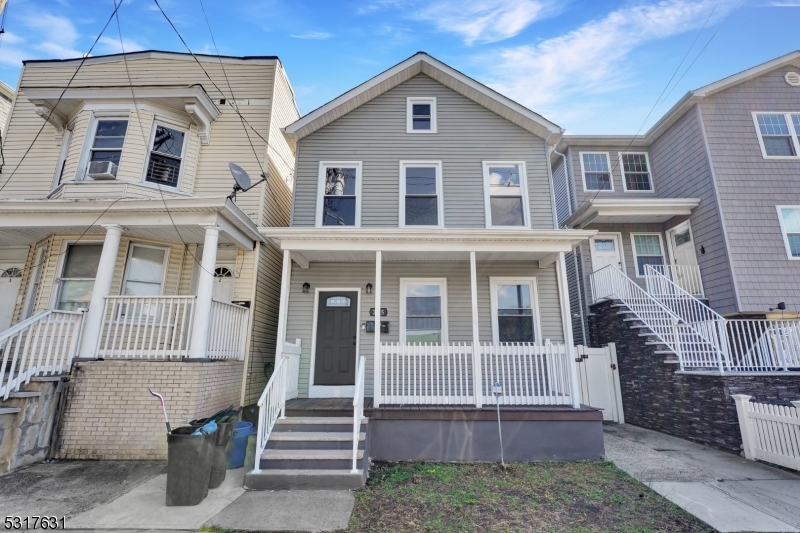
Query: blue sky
590	66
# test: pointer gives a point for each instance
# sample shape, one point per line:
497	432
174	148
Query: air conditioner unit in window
102	170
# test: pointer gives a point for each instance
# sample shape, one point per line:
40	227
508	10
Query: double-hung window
166	156
109	136
514	310
420	115
423	311
647	250
636	172
145	270
778	134
790	226
77	276
596	171
505	189
421	194
339	198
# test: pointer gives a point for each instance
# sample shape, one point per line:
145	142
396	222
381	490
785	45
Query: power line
61	96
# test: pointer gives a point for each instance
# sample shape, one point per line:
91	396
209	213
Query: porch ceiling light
369	288
306	287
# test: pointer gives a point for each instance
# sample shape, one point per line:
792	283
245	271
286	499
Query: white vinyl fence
770	433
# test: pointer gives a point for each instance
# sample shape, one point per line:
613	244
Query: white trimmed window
107	141
636	172
421	194
421	115
647	250
77	276
515	310
596	171
339	197
790	227
423	311
505	194
145	270
778	134
166	156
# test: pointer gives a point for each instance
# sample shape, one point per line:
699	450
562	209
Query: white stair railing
686	276
358	408
43	344
282	386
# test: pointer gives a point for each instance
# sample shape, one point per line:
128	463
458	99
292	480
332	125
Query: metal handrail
358	409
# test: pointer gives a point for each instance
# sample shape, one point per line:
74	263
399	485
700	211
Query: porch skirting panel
569	435
110	414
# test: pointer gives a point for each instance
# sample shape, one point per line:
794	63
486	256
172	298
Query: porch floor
344	407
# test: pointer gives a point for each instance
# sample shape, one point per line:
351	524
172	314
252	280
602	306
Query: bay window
166	156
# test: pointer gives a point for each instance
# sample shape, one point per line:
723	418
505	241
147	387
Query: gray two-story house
424	279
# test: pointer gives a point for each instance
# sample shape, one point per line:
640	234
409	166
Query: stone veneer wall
25	436
110	414
656	395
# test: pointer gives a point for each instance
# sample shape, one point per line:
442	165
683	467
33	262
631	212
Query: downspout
550	176
564	159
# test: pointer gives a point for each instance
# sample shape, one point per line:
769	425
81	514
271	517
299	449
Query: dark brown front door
337	328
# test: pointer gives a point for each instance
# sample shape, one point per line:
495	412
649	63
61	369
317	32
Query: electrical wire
61	96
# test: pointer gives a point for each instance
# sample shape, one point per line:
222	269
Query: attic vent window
421	115
793	79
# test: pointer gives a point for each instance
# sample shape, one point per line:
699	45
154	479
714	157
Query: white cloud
589	60
53	26
485	21
313	35
42	35
110	45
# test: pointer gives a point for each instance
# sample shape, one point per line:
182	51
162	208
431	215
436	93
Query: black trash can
219	460
188	466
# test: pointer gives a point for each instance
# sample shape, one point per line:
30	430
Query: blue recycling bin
241	431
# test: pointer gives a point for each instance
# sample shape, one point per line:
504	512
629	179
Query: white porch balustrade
227	335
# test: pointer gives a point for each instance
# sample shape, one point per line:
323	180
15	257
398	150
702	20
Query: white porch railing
769	432
358	408
146	326
763	345
42	344
686	277
282	386
228	333
530	374
425	374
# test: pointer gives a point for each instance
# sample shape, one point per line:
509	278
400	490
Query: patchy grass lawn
543	497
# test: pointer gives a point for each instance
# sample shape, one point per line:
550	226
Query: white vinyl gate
769	432
599	379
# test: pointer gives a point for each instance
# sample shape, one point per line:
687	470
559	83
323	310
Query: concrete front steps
311	453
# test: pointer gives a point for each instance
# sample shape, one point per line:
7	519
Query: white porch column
93	321
477	374
566	319
198	347
376	354
283	305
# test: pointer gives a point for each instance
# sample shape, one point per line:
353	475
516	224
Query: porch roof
631	210
406	244
24	222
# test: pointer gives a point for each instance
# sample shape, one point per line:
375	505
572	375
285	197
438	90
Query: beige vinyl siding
750	187
357	275
80	127
5	109
100	189
467	134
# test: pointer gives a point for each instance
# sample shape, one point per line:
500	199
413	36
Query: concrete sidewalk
724	490
128	496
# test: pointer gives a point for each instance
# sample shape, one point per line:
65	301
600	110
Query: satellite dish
242	179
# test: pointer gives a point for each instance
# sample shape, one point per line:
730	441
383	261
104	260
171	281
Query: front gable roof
422	63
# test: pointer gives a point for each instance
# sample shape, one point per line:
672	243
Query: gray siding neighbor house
425	269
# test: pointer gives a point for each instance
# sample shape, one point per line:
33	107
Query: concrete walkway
726	491
128	496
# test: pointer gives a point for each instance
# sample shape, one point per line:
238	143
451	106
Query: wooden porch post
198	347
283	305
477	373
566	319
376	354
93	320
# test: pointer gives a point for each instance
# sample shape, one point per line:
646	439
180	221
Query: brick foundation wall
656	395
110	414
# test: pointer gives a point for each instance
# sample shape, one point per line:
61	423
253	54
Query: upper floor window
790	225
339	197
109	136
647	250
778	134
166	155
596	171
505	194
420	115
636	172
421	194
